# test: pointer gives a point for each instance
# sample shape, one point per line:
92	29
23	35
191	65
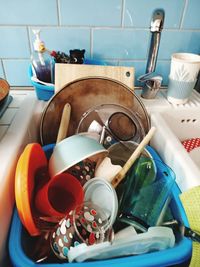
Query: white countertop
18	127
160	102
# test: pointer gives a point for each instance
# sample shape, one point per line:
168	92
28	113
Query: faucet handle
152	84
149	76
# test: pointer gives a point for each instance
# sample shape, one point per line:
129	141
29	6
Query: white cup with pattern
184	67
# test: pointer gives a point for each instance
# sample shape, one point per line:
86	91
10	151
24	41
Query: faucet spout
156	27
157	20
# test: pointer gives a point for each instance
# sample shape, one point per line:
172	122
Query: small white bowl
72	150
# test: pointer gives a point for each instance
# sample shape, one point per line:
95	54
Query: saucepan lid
83	94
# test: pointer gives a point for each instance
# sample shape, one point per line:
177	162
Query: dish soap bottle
42	61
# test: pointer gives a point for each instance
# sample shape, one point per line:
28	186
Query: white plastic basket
173	127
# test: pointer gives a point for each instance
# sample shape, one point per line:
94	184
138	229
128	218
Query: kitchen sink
174	124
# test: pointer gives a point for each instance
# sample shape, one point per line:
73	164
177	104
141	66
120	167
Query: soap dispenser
42	61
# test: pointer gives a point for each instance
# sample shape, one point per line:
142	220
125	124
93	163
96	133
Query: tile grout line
91	50
183	14
14	58
91	43
29	39
122	13
3	69
58	12
87	27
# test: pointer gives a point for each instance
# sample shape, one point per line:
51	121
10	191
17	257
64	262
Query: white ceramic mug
184	67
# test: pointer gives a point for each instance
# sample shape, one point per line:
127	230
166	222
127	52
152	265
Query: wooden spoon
120	176
64	123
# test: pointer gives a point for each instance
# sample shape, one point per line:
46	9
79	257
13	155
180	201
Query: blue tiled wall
116	31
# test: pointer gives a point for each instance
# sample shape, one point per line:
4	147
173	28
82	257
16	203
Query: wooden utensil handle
64	123
119	177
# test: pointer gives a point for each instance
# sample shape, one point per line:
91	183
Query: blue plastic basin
180	253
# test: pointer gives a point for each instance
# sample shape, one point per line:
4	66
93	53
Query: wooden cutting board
66	73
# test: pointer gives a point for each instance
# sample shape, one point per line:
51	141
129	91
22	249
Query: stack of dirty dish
97	187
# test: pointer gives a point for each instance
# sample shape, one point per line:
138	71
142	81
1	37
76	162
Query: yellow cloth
191	203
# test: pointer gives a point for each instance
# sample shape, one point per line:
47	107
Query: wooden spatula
120	176
64	123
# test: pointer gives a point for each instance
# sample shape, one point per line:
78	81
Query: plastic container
19	242
43	92
42	66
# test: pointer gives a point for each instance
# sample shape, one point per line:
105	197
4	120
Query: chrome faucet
152	81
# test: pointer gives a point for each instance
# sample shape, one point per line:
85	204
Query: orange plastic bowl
30	162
